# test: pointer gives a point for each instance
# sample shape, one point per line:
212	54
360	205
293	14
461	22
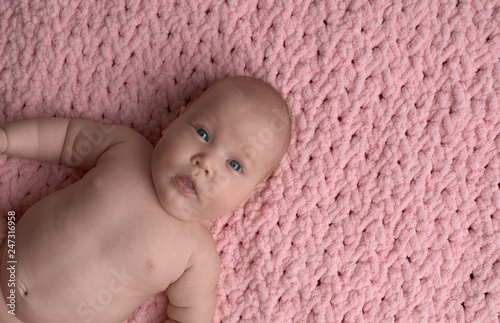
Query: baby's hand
3	141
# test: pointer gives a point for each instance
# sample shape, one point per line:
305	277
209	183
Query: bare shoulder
86	142
192	298
205	252
125	164
204	263
129	150
127	141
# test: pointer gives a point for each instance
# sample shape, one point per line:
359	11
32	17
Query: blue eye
235	165
203	134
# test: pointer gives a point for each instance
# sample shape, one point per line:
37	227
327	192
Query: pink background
386	207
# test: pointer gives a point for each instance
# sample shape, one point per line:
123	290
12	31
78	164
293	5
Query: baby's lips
187	183
193	182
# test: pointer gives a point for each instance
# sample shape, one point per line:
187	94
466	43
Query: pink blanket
386	207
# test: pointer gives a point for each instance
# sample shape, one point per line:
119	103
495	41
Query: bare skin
137	223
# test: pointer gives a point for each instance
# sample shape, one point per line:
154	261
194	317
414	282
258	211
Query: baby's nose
206	162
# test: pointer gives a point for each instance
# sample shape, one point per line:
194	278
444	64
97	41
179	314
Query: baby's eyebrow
206	118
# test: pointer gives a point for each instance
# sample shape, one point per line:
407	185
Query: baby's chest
157	252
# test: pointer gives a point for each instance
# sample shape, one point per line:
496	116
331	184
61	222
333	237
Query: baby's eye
234	164
203	134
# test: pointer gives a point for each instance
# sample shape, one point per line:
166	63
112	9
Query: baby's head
220	149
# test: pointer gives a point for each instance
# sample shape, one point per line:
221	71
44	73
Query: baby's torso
96	250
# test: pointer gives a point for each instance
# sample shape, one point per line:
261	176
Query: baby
137	223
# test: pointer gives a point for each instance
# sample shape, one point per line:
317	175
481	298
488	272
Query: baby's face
214	156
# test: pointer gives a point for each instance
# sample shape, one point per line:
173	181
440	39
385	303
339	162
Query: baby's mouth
185	184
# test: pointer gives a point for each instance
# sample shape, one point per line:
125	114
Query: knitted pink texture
386	206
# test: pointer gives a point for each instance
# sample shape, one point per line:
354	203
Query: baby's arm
74	142
40	139
192	298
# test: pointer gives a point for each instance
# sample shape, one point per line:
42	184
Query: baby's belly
60	276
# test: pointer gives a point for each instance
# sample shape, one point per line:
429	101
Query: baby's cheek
212	191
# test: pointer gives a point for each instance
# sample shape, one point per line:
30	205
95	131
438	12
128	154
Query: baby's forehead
231	106
244	120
